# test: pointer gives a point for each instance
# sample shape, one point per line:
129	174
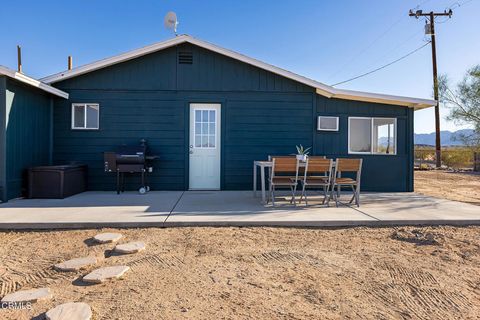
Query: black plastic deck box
56	182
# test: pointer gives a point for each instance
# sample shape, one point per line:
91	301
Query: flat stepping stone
32	295
70	311
131	247
106	273
107	237
75	264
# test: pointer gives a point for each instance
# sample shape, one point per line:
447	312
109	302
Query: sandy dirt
463	187
260	273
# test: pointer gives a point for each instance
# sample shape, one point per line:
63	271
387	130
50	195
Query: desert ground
457	186
263	273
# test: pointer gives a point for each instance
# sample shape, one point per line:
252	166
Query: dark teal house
209	112
26	128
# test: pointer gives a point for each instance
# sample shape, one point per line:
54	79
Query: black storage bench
56	182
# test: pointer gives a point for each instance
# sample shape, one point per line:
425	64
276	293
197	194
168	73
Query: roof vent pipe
70	62
19	58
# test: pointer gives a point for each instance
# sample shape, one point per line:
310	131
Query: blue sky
329	41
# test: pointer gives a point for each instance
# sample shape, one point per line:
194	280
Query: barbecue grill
130	159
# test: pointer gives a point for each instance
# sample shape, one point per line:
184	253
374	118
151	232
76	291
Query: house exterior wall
3	145
27	133
262	114
379	172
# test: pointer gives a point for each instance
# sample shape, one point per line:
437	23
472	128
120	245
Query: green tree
463	102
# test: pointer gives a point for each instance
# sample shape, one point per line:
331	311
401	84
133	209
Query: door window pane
384	136
211	141
211	128
198	141
360	135
205	128
204	141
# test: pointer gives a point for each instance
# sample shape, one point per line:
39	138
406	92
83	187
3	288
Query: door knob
191	147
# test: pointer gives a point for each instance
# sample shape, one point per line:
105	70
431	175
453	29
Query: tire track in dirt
400	274
16	280
279	257
418	294
157	260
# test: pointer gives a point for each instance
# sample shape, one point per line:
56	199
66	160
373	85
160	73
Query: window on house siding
85	116
372	135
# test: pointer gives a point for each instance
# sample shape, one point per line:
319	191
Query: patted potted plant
302	153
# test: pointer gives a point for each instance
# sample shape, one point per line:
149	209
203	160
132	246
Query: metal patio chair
284	175
318	173
347	165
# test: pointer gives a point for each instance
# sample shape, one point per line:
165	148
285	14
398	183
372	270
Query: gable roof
321	88
32	82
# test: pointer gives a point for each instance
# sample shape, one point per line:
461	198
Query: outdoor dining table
263	165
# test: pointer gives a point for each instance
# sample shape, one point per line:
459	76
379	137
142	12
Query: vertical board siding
254	126
380	172
256	129
125	118
262	114
3	150
27	134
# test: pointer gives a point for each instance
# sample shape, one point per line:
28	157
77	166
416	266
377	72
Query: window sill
372	154
85	129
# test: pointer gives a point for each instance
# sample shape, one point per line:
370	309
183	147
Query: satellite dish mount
171	22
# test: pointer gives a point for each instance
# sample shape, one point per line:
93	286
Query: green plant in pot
302	153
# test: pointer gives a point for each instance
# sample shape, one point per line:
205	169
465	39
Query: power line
454	5
392	51
370	44
382	67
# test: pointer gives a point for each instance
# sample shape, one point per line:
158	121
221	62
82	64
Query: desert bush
455	157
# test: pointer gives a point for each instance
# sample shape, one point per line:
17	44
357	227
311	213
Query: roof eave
32	82
320	88
410	102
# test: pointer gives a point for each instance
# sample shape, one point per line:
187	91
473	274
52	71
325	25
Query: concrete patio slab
229	208
240	208
412	208
90	210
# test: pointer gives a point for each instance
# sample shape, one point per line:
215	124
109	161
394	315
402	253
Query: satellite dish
171	21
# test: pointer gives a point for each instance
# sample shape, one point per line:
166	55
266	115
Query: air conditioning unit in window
327	123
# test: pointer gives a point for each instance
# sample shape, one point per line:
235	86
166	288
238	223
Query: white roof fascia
32	82
415	103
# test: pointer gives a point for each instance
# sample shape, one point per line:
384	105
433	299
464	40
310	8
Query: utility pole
430	29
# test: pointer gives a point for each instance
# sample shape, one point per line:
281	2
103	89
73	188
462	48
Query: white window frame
84	105
318	123
372	119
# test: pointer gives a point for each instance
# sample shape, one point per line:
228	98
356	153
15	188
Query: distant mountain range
447	138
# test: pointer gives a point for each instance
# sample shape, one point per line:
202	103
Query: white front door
204	146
